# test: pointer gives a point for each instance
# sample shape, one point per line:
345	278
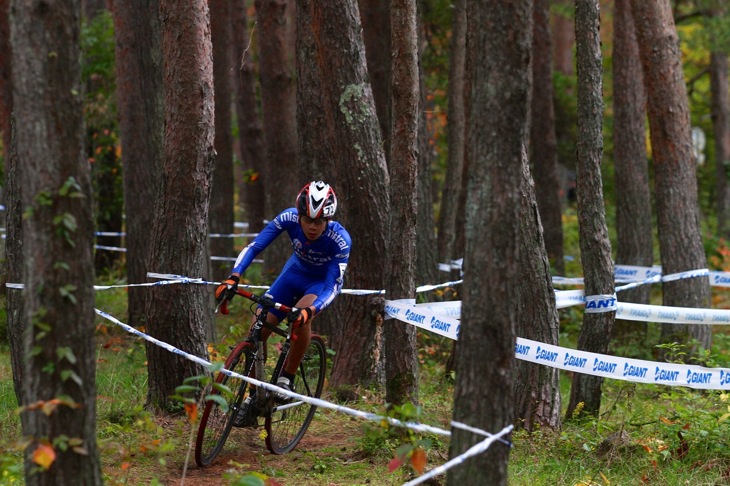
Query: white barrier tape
182	279
107	287
702	272
110	248
233	235
597	304
626	369
472	451
314	401
422	317
720	279
675	315
576	360
650	280
569	298
212	235
426	315
634	273
567	281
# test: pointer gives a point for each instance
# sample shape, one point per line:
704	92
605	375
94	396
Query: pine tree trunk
181	314
141	124
675	167
633	198
58	271
595	246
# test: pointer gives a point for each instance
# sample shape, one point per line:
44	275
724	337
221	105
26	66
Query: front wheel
217	420
288	423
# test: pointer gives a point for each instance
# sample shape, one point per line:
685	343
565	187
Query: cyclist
313	275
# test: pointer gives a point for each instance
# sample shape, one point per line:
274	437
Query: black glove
227	289
301	316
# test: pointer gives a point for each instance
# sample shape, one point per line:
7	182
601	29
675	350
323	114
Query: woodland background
430	119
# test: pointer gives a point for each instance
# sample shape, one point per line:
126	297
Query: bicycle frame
286	423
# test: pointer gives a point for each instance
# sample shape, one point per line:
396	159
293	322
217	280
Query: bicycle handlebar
259	299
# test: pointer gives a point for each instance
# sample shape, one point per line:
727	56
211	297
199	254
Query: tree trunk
221	199
721	128
278	100
595	246
563	28
543	141
316	152
376	19
58	273
537	387
426	245
140	100
456	136
180	314
501	35
6	88
401	357
675	167
349	111
633	205
13	265
250	133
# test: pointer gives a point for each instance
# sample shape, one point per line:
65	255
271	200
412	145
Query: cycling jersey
316	267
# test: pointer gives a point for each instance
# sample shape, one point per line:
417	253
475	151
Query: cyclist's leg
301	343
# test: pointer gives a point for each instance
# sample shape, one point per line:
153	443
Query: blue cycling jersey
316	267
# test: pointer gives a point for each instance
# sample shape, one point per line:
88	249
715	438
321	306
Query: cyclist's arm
264	239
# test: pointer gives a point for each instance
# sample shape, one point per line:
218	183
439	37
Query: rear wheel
288	423
217	420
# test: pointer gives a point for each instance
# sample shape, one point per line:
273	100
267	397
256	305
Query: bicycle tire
287	424
215	423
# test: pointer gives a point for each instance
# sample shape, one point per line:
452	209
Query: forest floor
329	454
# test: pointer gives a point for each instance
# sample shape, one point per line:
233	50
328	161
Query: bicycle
285	421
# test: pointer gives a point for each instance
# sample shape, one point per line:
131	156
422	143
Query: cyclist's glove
302	316
227	289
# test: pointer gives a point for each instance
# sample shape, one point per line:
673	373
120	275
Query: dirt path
246	452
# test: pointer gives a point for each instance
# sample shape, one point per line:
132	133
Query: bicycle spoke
288	423
216	421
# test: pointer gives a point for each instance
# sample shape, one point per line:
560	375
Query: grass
667	435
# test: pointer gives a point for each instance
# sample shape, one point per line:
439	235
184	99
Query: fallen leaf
394	464
44	456
418	460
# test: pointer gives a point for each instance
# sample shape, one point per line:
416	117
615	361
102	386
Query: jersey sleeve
270	232
335	275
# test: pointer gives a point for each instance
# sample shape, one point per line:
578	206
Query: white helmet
317	200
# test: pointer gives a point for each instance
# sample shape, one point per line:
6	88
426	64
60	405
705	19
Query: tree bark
426	245
675	167
543	141
352	124
58	272
13	265
456	135
501	33
633	198
250	132
180	314
278	100
140	100
221	199
721	129
376	28
595	246
537	387
401	357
